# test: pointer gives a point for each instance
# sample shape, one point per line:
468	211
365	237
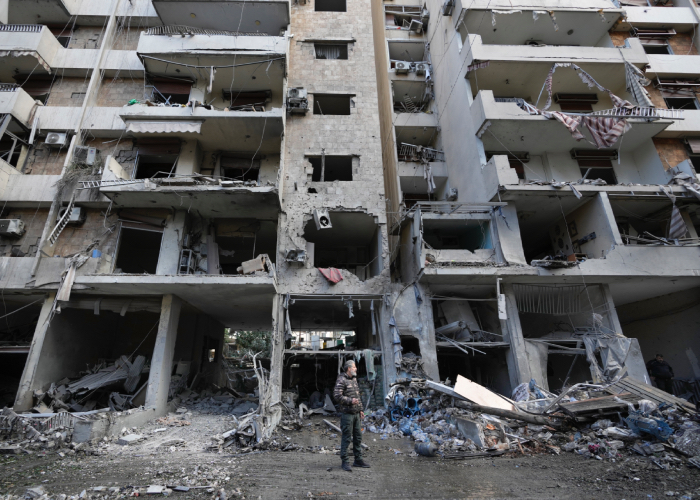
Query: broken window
332	104
240	240
170	90
408	18
457	234
139	250
679	93
644	222
655	41
62	34
598	169
331	168
681	102
246	100
331	50
240	169
156	158
330	6
353	243
580	103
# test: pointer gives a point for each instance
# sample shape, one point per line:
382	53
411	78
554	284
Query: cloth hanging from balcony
636	81
331	274
676	226
163	127
327	51
494	12
428	176
478	65
23	53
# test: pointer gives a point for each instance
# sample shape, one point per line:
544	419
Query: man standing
347	395
662	373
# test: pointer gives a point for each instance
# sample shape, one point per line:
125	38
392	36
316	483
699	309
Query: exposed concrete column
386	343
518	363
277	354
23	401
163	352
426	341
610	308
169	257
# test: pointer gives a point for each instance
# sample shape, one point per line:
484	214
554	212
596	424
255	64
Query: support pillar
277	352
23	400
517	358
163	352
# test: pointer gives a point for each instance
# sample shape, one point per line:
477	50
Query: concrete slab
130	439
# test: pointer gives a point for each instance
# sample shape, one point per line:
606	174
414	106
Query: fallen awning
163	127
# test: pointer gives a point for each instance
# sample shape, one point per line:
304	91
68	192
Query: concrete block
471	430
129	440
250	266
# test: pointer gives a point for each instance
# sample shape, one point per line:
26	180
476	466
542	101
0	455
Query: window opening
151	166
240	169
245	100
580	103
598	169
334	168
681	103
139	250
332	104
330	6
331	50
457	234
38	87
170	90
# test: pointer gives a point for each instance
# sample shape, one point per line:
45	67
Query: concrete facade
395	143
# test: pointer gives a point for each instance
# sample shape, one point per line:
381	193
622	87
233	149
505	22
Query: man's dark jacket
659	369
346	389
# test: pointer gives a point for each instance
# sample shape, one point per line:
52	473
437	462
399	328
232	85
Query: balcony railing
8	87
636	112
178	30
21	28
409	152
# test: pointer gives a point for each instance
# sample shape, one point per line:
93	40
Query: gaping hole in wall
325	328
643	222
460	234
239	240
470	342
406	51
332	104
330	6
138	251
555	319
331	50
410	344
114	337
168	90
353	243
239	169
16	333
331	168
154	157
411	96
155	166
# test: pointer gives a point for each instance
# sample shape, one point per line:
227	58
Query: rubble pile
586	420
118	385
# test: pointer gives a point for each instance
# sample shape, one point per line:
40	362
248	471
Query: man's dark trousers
665	384
350	424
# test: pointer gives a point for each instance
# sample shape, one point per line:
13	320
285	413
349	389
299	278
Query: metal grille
409	152
23	28
187	30
8	87
549	299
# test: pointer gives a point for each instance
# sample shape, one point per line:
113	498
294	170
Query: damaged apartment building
503	190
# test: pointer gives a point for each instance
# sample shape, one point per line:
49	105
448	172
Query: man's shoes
360	463
346	467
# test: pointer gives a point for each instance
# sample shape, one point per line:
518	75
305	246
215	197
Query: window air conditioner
77	215
448	7
421	68
56	139
12	228
297	102
322	219
415	26
402	67
296	93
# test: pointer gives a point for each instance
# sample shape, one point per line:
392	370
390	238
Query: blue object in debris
96	254
648	425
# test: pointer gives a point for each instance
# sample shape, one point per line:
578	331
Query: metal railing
636	112
8	87
176	30
409	152
21	28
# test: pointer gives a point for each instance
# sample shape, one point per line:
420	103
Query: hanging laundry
536	14
428	176
331	274
349	305
554	20
419	299
369	364
604	130
373	318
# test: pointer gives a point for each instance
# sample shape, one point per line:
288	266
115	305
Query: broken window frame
323	172
135	226
164	88
318	108
250	100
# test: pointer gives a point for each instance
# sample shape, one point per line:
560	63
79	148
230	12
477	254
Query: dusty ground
304	473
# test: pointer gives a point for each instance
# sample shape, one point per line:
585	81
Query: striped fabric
605	131
676	228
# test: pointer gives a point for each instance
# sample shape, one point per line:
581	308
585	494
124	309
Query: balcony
167	41
689	126
679	18
672	66
27	49
16	102
265	16
583	23
211	196
504	126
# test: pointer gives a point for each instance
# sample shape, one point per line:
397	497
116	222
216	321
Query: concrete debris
130	439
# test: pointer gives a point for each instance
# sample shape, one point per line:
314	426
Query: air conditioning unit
297	101
421	68
12	228
295	255
56	139
77	215
416	26
402	67
85	154
322	219
424	15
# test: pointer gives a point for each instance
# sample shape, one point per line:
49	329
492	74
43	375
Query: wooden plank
602	403
481	395
443	388
649	392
